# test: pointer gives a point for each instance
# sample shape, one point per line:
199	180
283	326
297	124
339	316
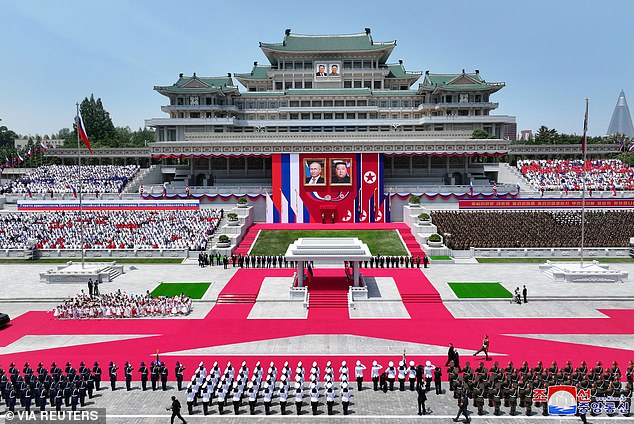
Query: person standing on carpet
484	348
421	397
451	354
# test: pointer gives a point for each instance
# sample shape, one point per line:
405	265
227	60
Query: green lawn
480	290
382	242
543	260
440	258
193	290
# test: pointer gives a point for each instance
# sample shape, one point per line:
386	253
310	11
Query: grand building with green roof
333	102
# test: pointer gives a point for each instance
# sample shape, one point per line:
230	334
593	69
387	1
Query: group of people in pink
566	174
173	229
122	305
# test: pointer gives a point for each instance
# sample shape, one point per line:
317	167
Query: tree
480	134
6	137
97	121
546	135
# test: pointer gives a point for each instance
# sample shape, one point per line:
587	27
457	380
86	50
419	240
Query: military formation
279	261
525	387
54	388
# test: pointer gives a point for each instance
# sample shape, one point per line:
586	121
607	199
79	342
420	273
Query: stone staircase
328	299
113	272
237	298
421	298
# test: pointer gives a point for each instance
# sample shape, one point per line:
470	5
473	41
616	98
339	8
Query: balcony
161	122
199	108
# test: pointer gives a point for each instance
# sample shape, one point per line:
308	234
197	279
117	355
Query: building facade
333	126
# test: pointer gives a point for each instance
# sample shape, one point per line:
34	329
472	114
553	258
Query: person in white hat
345	397
391	375
190	399
314	397
237	398
283	394
330	397
268	398
343	370
299	396
206	395
428	373
221	396
402	371
358	373
202	369
411	375
376	372
252	395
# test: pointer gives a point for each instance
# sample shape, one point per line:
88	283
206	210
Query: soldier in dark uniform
144	375
59	398
421	398
97	372
176	410
513	394
154	376
478	397
127	370
42	399
164	373
179	375
74	398
90	384
463	404
112	372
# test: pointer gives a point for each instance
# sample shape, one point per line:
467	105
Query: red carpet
328	290
227	323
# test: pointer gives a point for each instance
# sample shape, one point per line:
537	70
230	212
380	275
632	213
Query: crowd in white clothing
564	175
57	179
174	229
122	305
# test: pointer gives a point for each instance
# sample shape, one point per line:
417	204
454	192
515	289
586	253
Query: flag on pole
470	188
42	147
28	191
585	129
187	190
165	189
74	191
7	164
631	149
20	160
81	130
495	189
269	208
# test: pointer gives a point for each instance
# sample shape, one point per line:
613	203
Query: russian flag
20	159
43	147
82	131
631	149
28	191
7	164
74	191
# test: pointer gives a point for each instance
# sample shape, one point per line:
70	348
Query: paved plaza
23	293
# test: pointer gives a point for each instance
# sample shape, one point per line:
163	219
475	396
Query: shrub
232	216
242	200
414	200
424	216
223	238
435	237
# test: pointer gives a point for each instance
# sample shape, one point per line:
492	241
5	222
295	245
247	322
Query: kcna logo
562	400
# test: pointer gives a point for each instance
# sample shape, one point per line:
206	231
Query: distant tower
621	122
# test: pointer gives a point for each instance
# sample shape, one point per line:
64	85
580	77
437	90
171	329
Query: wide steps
237	298
328	300
421	298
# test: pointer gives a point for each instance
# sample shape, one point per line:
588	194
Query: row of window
324	115
310	65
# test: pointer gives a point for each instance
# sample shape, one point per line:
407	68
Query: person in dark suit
463	404
176	410
316	176
525	293
340	174
451	354
321	71
422	397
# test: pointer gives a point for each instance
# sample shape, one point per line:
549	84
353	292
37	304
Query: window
339	103
251	88
357	84
278	85
350	116
305	103
394	103
298	65
448	99
208	115
356	64
194	115
404	87
338	115
463	112
288	85
283	103
208	101
240	105
350	103
272	105
327	115
347	84
347	64
316	115
377	85
363	115
367	84
294	116
316	103
305	115
478	98
383	104
262	117
405	103
179	101
372	115
362	102
406	116
327	103
308	84
299	84
367	64
250	105
294	103
261	105
439	127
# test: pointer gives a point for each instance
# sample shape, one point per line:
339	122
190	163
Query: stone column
300	273
227	159
355	273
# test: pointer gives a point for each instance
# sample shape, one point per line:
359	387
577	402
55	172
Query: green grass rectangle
480	291
193	290
381	242
440	258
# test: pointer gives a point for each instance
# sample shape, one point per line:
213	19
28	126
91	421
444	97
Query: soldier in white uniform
411	375
402	370
299	396
314	397
299	376
283	394
428	372
202	369
316	367
273	370
236	397
190	399
268	398
345	397
330	397
258	371
288	370
343	370
329	371
244	370
376	371
358	373
205	398
252	393
391	375
220	398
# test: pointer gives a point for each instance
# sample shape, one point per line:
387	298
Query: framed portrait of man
341	171
321	70
315	172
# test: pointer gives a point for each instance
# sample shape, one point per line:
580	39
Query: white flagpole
583	195
81	217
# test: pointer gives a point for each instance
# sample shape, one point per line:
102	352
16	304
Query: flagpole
81	218
583	195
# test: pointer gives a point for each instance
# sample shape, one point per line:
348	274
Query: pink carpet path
403	229
227	323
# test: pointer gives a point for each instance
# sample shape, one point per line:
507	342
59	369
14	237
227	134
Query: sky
550	54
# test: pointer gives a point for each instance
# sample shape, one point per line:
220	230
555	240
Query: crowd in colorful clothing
564	175
177	229
122	305
57	179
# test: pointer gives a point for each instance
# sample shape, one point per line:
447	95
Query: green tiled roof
458	82
327	44
398	71
195	84
257	73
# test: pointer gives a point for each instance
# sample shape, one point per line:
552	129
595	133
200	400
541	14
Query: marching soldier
299	396
497	399
283	394
421	398
155	370
330	397
74	398
411	375
391	375
220	398
402	370
314	397
42	399
345	398
268	398
144	374
513	393
253	395
190	399
478	398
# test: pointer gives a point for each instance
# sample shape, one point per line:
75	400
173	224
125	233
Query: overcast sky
551	54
